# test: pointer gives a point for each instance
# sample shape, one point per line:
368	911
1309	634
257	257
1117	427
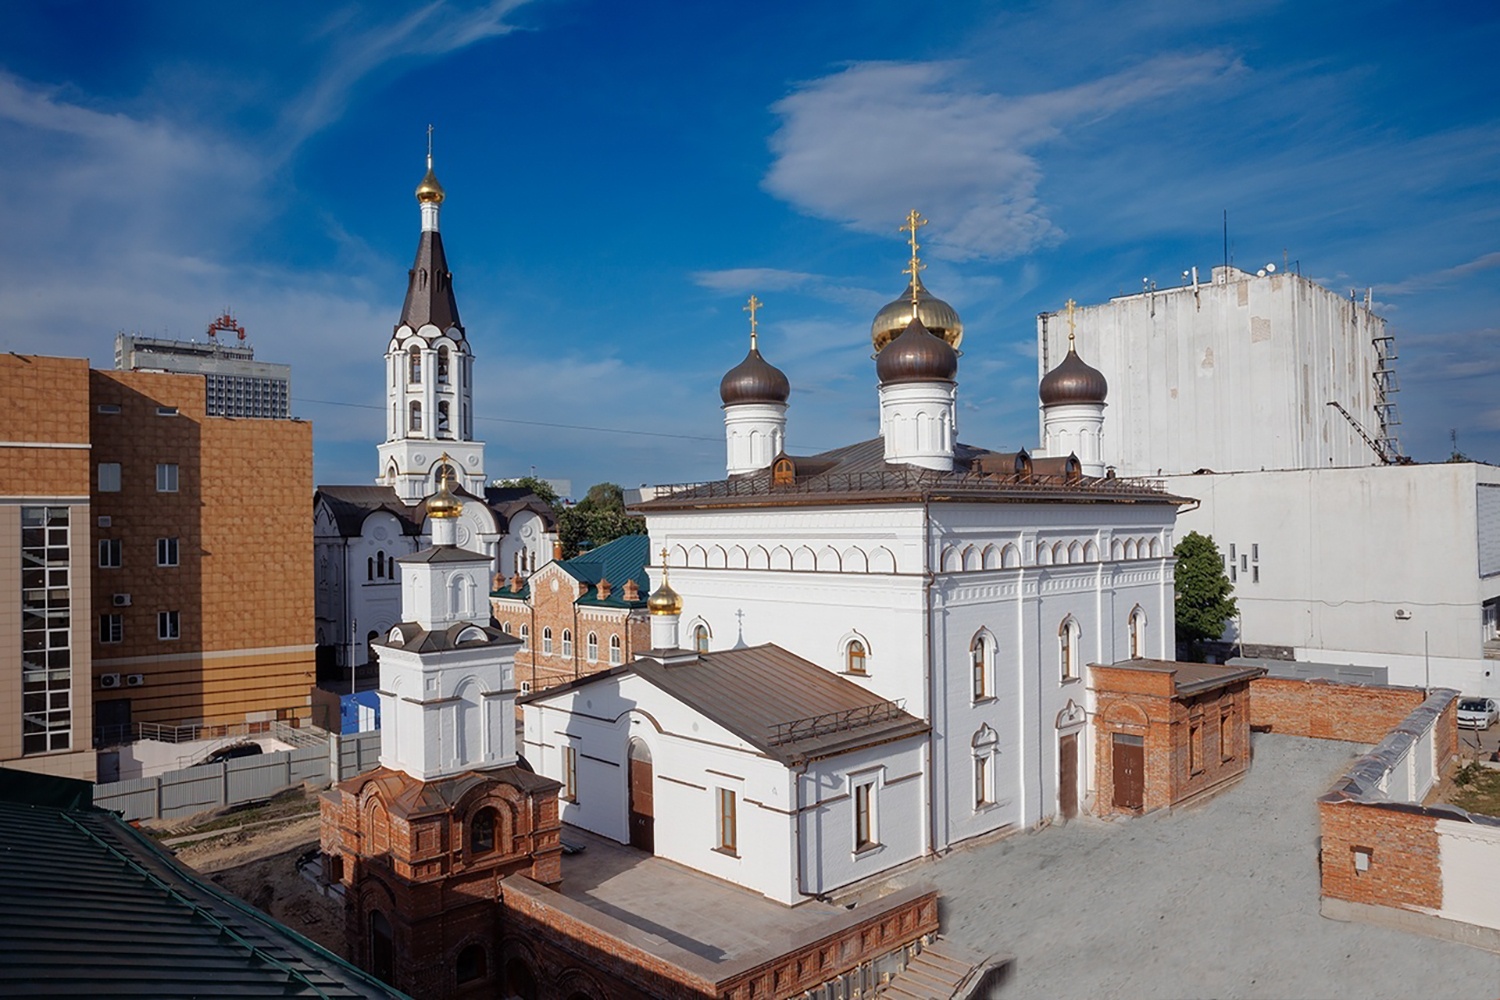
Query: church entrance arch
642	811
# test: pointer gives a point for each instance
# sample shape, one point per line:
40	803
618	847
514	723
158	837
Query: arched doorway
642	812
382	949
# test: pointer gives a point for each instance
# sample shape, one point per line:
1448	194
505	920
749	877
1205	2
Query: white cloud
867	144
1445	276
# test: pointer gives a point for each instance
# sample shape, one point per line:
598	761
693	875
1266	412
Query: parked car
245	750
1477	713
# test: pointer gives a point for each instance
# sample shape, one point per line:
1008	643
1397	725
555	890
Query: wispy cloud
864	145
1446	276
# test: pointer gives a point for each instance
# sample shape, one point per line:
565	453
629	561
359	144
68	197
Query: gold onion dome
917	355
430	190
1073	381
936	315
443	503
664	600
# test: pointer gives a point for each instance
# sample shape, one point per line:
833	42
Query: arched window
985	744
784	473
415	367
1137	633
700	637
591	648
442	372
380	565
482	832
547	641
615	655
525	635
439	470
370	569
567	642
473	964
382	952
981	662
1067	646
444	428
854	657
415	423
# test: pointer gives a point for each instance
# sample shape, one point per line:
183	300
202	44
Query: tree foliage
540	487
1203	589
598	518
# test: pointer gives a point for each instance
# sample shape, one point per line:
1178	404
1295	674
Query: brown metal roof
859	473
1193	678
429	288
786	707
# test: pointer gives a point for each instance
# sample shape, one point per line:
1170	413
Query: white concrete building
1235	374
360	533
1393	566
965	587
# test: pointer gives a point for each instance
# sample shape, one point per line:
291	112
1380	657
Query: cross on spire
914	221
429	145
750	308
1071	323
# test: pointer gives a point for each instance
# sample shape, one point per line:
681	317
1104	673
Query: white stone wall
1469	856
444	713
1375	566
1228	376
754	434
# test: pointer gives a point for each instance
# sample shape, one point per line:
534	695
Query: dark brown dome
754	380
916	356
1073	381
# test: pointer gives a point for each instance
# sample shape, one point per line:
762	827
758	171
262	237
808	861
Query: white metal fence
244	779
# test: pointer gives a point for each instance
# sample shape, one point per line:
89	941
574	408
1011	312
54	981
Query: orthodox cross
914	221
429	146
1071	306
750	308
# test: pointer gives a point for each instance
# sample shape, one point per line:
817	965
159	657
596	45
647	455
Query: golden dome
443	503
936	315
430	190
664	600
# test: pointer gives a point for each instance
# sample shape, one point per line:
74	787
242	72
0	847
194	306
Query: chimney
632	591
515	584
605	589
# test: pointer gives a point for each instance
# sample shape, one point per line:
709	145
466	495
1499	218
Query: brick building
578	616
1167	732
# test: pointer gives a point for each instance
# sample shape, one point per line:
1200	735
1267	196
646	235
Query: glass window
700	637
979	666
616	656
442	365
728	821
109	477
570	774
46	619
854	657
109	553
983	796
1137	634
166	552
567	642
415	365
1067	642
111	628
592	648
168	625
864	816
525	635
415	423
482	832
547	641
166	477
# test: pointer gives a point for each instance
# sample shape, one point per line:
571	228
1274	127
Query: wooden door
642	813
1130	770
1067	775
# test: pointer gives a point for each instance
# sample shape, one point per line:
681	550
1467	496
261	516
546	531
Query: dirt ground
259	866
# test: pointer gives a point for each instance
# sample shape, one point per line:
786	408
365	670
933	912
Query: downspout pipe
927	671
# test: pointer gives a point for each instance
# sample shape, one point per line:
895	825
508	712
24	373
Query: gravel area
1219	900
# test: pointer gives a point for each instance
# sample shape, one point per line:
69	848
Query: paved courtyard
1220	900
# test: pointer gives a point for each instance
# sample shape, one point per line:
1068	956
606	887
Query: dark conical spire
429	288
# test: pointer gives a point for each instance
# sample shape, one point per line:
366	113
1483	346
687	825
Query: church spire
429	288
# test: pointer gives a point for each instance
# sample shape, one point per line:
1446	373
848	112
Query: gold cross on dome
914	221
429	146
1071	323
753	305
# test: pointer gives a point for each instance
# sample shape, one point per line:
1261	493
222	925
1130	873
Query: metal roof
429	288
94	908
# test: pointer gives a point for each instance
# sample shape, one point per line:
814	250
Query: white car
1477	713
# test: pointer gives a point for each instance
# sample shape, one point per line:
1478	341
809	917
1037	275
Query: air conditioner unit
122	600
1403	615
135	680
108	681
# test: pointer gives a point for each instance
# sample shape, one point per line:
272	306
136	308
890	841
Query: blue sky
621	176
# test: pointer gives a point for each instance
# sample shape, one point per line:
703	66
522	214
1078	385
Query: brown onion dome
936	315
754	380
916	356
1073	381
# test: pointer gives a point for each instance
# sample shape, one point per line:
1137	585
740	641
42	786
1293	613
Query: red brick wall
1404	867
1361	713
545	609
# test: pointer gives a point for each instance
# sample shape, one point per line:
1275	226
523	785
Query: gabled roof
508	501
623	559
859	473
94	908
788	708
350	505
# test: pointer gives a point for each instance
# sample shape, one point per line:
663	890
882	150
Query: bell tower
429	372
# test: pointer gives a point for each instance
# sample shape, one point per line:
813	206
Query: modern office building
235	384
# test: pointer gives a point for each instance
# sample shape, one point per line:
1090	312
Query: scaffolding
1387	444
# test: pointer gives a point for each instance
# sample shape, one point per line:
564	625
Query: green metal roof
623	559
94	908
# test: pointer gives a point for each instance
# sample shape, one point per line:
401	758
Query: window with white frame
567	642
166	477
1067	648
547	640
112	628
525	635
616	653
166	552
727	821
1137	633
985	746
109	553
591	647
866	835
981	665
168	625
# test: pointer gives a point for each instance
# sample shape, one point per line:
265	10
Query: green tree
598	518
1204	603
540	487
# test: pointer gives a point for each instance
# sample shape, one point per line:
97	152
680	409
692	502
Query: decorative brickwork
542	608
1193	733
1326	710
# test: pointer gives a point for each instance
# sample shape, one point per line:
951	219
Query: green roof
623	559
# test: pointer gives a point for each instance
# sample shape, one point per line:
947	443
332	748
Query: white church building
360	533
885	644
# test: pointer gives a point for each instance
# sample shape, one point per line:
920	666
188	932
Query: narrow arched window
1137	634
547	641
1067	645
416	417
525	635
854	657
370	569
444	427
482	832
980	659
442	365
592	647
700	637
567	642
615	655
415	365
380	565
